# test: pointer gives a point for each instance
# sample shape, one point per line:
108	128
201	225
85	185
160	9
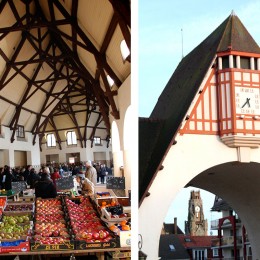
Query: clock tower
196	224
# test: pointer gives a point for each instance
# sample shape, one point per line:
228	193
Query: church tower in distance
196	224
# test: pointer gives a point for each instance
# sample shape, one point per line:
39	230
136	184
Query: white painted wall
181	165
7	154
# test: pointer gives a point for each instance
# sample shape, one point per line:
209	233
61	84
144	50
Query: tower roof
175	99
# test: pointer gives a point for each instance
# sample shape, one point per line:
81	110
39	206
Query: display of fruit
13	219
3	201
19	207
103	194
51	210
14	227
48	203
85	223
50	240
50	226
49	217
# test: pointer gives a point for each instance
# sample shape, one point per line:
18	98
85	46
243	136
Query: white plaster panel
199	126
222	77
229	124
214	102
227	76
213	79
257	124
192	125
223	98
248	125
228	100
239	124
206	105
207	126
255	77
246	76
237	75
215	126
199	111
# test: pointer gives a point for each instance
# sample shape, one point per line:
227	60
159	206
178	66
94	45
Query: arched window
124	50
71	138
51	140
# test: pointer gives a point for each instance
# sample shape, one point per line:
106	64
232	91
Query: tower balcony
225	242
214	224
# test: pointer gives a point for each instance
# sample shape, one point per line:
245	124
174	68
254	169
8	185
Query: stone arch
184	166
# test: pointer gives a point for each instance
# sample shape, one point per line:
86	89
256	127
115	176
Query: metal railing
226	241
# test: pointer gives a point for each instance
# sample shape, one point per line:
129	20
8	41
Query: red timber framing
214	110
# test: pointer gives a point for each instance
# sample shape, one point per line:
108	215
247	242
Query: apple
95	235
102	234
56	233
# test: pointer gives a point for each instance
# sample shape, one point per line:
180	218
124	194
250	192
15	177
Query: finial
233	13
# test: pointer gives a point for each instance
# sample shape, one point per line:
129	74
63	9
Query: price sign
115	183
65	183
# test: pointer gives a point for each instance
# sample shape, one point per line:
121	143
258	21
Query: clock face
247	100
197	209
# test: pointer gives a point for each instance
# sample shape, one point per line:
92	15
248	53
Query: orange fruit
125	227
123	222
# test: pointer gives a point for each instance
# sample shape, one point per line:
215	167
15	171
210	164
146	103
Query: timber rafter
53	74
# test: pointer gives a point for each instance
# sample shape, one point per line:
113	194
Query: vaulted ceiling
55	56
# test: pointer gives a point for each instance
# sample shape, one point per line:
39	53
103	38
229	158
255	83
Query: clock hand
247	102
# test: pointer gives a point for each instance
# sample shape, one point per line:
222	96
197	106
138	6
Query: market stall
68	225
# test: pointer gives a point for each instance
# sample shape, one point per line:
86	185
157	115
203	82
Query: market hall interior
65	84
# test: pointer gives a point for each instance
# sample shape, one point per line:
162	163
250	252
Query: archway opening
238	185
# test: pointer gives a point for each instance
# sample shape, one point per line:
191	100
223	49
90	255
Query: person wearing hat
91	173
85	185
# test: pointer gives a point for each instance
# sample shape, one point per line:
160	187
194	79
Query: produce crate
84	245
52	245
124	201
27	198
28	192
6	193
18	213
125	238
7	246
106	216
21	206
102	192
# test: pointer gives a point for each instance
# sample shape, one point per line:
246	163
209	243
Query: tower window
245	63
225	62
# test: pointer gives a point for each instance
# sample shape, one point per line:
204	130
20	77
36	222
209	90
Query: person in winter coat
86	186
26	172
55	175
103	173
32	178
7	178
45	188
91	173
